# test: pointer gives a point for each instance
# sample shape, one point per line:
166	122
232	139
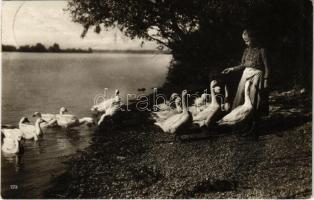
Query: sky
46	22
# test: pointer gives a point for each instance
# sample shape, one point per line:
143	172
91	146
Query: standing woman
255	64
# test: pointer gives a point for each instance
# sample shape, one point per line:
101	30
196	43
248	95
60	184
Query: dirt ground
136	160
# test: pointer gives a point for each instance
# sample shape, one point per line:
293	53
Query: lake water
47	81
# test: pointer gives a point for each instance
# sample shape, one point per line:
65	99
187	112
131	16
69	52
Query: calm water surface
45	82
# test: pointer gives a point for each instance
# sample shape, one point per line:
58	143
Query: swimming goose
11	145
68	120
106	104
49	120
173	123
204	117
12	133
30	131
240	113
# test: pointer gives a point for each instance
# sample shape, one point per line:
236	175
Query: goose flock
170	116
12	135
203	113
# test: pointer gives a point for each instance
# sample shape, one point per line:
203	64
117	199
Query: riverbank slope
136	160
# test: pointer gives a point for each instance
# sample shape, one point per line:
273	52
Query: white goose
226	105
165	106
11	145
205	116
201	101
162	115
200	104
106	104
111	110
173	123
49	118
30	131
12	133
240	113
68	120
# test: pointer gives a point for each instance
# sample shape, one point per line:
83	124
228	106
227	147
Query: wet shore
134	159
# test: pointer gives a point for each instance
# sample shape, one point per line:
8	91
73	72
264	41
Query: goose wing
10	145
27	130
12	133
204	113
48	117
66	120
104	105
167	124
235	116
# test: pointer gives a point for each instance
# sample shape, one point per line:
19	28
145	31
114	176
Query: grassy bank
136	160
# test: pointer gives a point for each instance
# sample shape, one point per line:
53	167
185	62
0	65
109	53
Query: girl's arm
241	66
238	67
266	65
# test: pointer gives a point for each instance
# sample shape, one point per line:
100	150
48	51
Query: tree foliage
204	34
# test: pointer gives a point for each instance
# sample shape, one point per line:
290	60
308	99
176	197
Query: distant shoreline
55	48
99	51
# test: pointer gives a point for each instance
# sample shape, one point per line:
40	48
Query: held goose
106	104
240	113
30	131
204	117
173	123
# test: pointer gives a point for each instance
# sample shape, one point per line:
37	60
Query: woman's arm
238	67
266	65
241	66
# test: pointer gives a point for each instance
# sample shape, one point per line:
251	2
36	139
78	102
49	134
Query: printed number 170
13	187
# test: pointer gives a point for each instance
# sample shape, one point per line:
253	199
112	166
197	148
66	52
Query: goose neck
247	99
213	96
178	106
184	106
21	121
37	126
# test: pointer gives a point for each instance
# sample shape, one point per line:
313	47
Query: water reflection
47	82
14	160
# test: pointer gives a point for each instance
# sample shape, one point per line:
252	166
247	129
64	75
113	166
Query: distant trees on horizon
41	48
204	36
